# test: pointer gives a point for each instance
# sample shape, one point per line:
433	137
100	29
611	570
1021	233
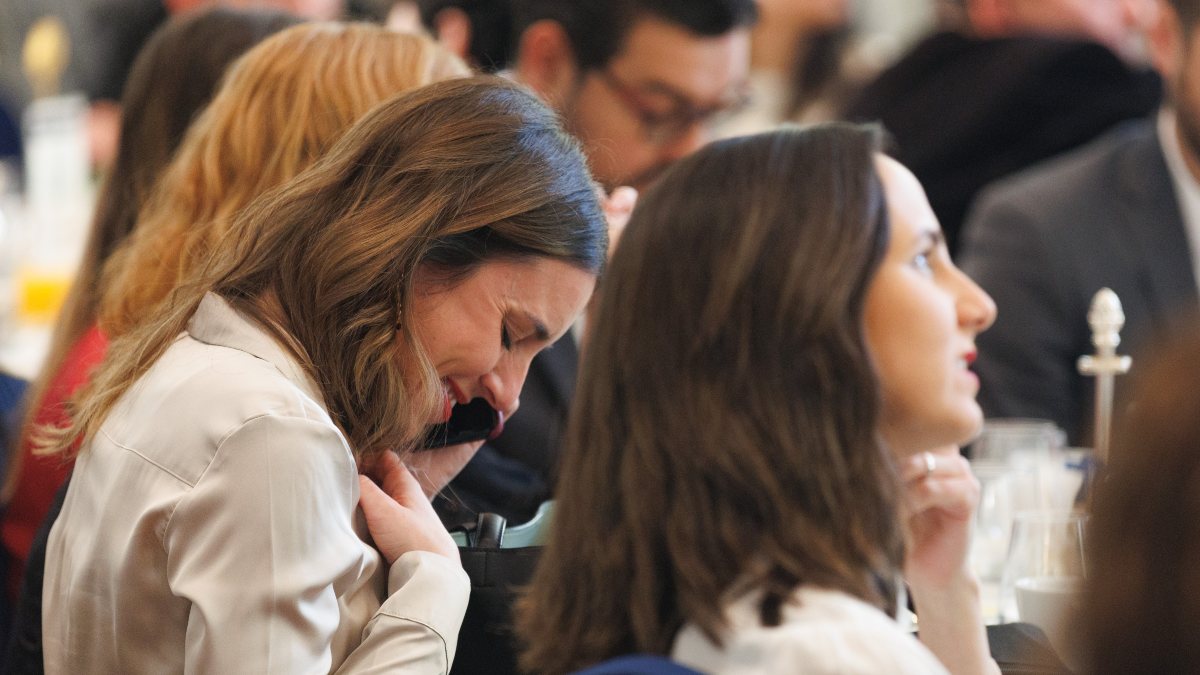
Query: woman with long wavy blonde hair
281	108
212	523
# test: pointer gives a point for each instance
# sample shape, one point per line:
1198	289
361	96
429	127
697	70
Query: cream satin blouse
212	526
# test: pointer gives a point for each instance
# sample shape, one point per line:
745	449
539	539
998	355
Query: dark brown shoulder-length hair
443	178
723	438
1142	604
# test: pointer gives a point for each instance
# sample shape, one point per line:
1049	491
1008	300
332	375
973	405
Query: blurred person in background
1121	213
12	393
1004	84
637	81
478	31
174	78
641	84
281	108
1142	600
796	63
318	10
114	32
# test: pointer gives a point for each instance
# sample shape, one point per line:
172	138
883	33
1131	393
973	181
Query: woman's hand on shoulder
941	495
399	514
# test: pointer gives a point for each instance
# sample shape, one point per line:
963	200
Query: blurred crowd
826	238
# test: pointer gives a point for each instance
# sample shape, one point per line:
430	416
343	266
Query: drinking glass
1044	572
993	526
1001	438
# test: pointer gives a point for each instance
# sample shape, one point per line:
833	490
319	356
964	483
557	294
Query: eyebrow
933	235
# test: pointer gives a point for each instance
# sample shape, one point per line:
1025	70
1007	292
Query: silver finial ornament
1106	319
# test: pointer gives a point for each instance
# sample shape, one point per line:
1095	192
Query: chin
967	425
931	428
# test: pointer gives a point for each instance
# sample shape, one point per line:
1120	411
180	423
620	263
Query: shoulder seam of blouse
146	459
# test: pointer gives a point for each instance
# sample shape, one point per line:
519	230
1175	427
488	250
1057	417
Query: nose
976	309
502	386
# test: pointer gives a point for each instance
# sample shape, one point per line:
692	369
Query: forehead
546	288
909	213
658	52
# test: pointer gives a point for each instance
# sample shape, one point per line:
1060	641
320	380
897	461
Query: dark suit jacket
515	473
965	111
1043	242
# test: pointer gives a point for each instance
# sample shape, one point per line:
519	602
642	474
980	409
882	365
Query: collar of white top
216	322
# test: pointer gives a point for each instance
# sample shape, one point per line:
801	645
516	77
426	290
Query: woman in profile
764	439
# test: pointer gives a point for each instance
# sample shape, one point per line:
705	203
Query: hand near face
434	469
399	514
618	207
939	507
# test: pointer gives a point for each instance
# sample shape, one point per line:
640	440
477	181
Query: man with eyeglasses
641	84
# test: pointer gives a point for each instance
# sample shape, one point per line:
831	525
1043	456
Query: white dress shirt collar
1187	189
216	322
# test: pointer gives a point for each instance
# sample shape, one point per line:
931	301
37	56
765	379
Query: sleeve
1026	361
264	550
416	629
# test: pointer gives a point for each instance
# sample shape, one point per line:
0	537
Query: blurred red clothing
40	477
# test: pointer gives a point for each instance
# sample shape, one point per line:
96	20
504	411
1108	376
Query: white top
211	526
1187	189
822	631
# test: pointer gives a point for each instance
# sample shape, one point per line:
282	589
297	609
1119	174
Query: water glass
1044	573
1001	438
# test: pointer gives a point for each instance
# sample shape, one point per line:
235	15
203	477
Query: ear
546	61
452	27
1165	40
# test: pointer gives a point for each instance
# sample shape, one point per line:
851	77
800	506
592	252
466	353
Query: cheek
911	346
465	359
907	376
612	136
